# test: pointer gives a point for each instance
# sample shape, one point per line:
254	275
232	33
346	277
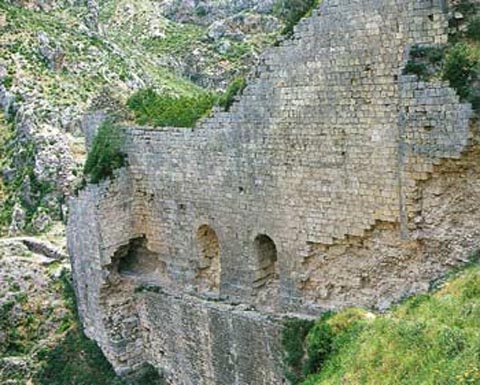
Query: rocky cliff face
32	308
334	181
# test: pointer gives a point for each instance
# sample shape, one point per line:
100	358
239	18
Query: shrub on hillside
294	345
106	153
320	345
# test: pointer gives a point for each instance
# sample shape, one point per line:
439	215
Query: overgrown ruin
336	180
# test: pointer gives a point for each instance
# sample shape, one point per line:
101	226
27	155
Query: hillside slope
431	339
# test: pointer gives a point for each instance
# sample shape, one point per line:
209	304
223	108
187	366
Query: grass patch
431	339
106	154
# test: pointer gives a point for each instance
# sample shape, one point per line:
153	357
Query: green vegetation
18	338
106	153
180	39
458	62
75	359
51	340
425	61
8	81
23	187
294	344
462	70
293	11
153	109
308	345
234	89
473	30
431	339
415	68
5	209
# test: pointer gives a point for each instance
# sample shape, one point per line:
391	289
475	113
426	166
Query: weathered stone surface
335	181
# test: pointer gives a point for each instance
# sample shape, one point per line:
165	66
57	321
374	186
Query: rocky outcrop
207	12
32	306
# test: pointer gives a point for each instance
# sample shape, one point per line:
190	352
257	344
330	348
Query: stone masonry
334	181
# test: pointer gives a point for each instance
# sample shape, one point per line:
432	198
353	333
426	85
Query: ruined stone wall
330	140
335	180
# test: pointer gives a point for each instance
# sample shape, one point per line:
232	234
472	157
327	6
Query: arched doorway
208	271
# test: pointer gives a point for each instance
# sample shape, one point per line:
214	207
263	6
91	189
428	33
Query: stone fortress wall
335	180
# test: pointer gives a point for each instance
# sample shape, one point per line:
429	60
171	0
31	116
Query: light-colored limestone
365	179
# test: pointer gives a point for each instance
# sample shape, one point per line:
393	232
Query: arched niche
266	262
208	270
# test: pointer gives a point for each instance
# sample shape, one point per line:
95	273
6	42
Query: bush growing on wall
153	109
292	11
106	153
473	30
457	62
461	69
235	88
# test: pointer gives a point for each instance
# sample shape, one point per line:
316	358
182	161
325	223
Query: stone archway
208	271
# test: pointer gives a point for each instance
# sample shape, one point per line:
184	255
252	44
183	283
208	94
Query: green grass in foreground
431	339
